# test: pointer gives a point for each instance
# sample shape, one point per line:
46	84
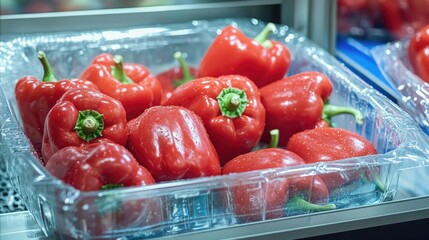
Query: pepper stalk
274	141
89	125
118	70
109	203
187	76
330	111
48	73
111	186
261	38
232	102
298	203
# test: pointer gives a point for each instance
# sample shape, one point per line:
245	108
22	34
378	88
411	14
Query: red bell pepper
36	97
418	53
262	61
230	108
177	76
249	203
83	116
329	144
102	166
130	83
299	102
172	143
98	166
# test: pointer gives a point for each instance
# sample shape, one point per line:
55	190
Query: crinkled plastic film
393	61
184	206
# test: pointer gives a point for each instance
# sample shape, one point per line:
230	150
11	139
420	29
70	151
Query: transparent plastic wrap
392	59
176	207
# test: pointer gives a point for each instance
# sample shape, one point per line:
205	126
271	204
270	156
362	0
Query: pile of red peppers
118	125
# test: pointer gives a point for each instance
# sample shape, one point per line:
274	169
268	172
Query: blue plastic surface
356	55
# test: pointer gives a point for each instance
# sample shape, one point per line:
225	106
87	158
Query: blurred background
372	19
381	19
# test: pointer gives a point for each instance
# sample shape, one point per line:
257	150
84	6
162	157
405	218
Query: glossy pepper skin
232	52
250	204
130	83
418	52
83	116
230	108
172	143
299	102
36	97
98	166
102	166
176	76
328	144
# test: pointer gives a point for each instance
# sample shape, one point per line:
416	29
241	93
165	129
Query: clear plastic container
185	206
393	61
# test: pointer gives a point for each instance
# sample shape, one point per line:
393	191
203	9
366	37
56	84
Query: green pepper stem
274	142
264	34
299	204
379	184
111	186
48	73
89	125
232	102
109	203
118	70
187	76
331	110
